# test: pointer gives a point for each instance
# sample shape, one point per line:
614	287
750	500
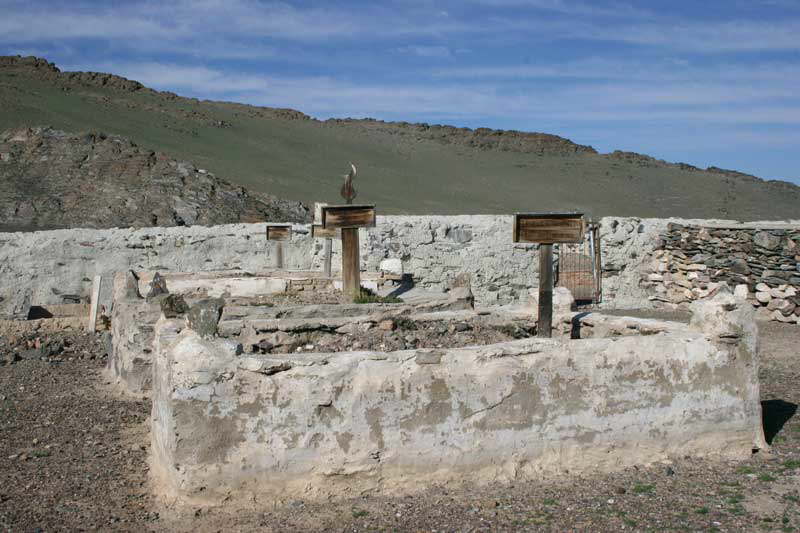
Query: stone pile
781	303
693	262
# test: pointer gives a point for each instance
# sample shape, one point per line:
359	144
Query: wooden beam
544	324
92	325
351	273
279	255
328	254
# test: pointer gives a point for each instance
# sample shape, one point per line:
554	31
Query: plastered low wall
232	425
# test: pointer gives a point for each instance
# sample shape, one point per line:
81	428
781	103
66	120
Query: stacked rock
691	262
780	303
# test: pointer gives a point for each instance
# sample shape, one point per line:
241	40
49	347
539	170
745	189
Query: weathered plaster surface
227	424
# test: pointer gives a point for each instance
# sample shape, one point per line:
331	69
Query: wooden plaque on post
348	216
547	229
279	232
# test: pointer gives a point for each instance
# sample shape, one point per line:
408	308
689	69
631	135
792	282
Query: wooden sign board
318	232
348	216
279	232
549	228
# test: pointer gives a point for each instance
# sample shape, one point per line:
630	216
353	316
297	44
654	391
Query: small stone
762	287
173	305
740	292
777	315
203	317
392	266
386	325
776	303
777	293
157	286
766	240
763	297
263	346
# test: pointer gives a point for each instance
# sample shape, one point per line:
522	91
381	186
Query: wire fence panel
578	267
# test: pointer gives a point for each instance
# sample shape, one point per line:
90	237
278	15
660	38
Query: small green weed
549	501
643	489
735	498
359	513
766	477
791	463
366	296
40	453
702	510
746	470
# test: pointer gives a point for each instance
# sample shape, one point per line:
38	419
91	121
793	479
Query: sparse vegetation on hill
406	168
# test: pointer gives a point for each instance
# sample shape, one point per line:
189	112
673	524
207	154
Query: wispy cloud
426	51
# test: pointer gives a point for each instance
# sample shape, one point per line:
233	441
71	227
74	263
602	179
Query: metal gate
578	267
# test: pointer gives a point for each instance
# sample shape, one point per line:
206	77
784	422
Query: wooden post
544	324
92	325
279	255
328	252
598	265
351	274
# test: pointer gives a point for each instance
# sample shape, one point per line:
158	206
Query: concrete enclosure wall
228	424
50	266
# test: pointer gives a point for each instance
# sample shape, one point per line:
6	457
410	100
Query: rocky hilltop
51	179
404	168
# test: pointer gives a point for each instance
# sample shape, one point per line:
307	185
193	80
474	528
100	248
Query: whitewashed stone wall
50	265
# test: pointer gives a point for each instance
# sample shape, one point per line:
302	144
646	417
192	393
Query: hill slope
403	168
50	179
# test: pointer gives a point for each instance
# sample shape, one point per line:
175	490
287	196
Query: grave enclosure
267	384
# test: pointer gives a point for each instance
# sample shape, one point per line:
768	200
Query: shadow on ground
775	413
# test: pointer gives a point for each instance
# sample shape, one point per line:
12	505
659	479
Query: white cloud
425	51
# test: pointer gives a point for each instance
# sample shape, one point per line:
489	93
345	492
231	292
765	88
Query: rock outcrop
50	179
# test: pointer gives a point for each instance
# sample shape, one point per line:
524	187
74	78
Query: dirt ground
73	456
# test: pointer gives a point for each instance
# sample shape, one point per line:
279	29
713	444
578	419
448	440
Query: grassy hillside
403	168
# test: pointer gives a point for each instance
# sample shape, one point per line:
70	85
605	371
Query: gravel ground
73	457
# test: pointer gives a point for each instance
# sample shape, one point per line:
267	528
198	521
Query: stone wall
690	262
51	267
259	427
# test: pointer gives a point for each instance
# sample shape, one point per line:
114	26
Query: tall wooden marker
546	230
318	232
348	218
279	233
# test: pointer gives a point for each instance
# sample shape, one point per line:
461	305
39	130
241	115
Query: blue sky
707	83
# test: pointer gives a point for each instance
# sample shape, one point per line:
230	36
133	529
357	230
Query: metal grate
578	267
